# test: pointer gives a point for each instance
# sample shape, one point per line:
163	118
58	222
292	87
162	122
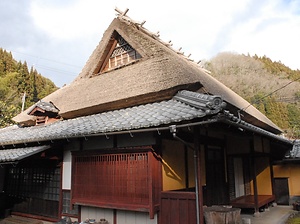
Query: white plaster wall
67	164
67	170
129	217
123	217
97	213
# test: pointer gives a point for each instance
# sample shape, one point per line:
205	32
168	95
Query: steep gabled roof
156	75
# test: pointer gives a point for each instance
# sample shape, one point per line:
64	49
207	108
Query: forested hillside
16	79
270	86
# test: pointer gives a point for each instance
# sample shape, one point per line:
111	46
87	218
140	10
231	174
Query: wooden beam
253	168
198	172
121	12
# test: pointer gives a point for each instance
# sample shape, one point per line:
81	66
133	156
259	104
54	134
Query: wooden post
253	168
198	173
272	175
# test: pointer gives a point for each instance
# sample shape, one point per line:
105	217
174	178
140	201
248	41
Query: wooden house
142	135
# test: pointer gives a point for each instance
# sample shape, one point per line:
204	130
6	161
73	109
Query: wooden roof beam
121	12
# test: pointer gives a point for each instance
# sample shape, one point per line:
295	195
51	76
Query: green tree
15	80
6	113
256	77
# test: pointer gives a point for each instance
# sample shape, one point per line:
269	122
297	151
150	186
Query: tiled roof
295	152
46	106
143	116
16	154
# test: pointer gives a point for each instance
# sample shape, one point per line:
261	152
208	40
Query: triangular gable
44	112
118	52
43	108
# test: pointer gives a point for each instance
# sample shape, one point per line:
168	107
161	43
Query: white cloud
68	31
273	32
71	21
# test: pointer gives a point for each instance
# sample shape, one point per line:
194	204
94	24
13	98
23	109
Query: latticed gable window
121	180
122	54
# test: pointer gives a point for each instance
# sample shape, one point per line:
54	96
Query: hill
270	86
16	80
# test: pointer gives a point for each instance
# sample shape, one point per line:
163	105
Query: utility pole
23	101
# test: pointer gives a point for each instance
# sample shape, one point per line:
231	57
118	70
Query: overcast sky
58	36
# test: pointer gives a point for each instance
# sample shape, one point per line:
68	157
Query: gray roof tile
16	154
295	152
144	116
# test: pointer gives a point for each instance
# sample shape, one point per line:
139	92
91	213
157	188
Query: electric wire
49	68
269	94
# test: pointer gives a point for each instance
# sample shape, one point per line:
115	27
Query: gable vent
121	54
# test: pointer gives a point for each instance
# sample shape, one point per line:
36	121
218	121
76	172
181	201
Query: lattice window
67	209
115	180
122	54
43	183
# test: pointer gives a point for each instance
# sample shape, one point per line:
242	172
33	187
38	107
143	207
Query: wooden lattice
115	180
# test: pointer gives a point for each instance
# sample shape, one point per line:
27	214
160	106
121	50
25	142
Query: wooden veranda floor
248	201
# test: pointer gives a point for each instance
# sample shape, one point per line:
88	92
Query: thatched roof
156	76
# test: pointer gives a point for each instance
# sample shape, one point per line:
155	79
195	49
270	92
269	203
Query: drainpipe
173	131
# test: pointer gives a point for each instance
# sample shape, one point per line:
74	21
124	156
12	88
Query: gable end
118	53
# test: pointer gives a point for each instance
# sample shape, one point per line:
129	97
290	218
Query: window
66	204
122	54
127	180
43	183
34	190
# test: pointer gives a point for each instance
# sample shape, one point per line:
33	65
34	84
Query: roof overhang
239	123
14	155
293	155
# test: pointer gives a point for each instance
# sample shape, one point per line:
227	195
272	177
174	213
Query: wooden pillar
198	173
253	168
272	175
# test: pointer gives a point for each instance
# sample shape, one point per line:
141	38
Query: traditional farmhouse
142	135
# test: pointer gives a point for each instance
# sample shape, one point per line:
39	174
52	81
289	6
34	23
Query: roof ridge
139	25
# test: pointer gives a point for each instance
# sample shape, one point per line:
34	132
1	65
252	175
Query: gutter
225	117
231	119
107	134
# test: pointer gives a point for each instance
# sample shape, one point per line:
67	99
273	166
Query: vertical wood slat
121	179
178	207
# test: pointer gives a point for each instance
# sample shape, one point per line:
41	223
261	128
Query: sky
56	37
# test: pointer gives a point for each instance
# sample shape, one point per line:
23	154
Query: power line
55	70
49	68
46	59
257	101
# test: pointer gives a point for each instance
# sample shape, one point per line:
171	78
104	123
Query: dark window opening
34	190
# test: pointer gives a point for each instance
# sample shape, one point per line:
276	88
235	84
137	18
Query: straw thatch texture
157	76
